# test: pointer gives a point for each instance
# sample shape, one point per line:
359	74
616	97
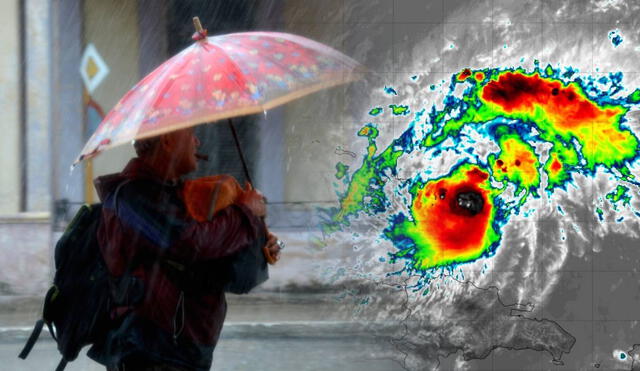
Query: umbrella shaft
244	163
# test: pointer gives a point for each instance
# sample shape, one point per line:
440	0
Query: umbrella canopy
221	77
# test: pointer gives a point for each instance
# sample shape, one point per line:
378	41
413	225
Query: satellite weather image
496	194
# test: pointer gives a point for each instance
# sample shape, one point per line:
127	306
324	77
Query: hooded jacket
145	225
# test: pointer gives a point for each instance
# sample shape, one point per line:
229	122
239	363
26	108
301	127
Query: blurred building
65	63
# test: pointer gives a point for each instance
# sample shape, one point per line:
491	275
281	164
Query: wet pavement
262	332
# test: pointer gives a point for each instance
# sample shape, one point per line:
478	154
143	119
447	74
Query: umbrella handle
244	163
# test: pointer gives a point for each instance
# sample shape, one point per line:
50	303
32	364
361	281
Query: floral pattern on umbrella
221	77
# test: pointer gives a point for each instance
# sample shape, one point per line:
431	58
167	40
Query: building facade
65	63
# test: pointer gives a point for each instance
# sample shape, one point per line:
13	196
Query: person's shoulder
138	188
107	185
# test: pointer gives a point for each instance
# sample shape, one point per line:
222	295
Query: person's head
172	154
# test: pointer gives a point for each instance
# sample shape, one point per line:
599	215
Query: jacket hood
135	169
107	183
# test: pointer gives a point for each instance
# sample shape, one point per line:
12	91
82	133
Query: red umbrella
221	77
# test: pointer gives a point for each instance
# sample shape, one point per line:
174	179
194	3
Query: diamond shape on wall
93	69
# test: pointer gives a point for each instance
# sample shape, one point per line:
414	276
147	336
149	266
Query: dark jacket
146	231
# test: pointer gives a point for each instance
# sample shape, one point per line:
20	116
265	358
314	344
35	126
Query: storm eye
443	193
471	201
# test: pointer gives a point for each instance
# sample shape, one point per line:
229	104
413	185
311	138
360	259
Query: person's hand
254	201
272	249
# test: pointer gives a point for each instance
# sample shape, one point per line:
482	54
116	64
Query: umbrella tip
200	33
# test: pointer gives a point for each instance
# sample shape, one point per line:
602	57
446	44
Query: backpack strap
115	194
121	285
61	365
37	329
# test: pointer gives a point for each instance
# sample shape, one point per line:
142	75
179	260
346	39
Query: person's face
181	146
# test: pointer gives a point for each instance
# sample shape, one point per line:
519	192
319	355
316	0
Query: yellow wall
112	27
9	107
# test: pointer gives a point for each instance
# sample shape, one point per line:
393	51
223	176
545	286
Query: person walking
168	269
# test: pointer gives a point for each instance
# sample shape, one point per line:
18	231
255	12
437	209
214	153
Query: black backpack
76	307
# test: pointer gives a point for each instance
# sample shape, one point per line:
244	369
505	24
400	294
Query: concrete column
10	124
67	117
152	18
271	172
38	117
